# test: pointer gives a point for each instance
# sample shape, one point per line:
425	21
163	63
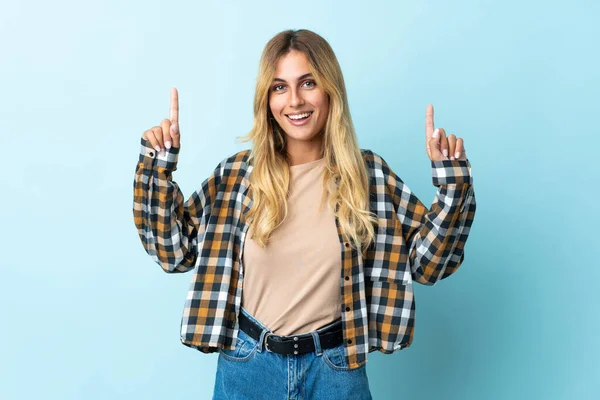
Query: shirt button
347	278
347	308
349	341
347	244
151	154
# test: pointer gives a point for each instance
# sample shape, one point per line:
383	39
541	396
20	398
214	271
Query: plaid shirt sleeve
169	227
436	237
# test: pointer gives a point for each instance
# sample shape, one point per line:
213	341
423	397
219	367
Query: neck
304	151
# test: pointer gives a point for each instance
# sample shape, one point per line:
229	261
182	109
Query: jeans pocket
334	358
245	349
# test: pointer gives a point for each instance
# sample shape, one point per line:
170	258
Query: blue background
86	313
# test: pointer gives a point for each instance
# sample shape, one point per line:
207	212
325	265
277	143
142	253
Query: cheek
322	103
275	105
324	108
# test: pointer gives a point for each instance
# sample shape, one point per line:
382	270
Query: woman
305	247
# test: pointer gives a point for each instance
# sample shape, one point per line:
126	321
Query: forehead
292	65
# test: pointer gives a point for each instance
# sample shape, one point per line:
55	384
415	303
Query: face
298	105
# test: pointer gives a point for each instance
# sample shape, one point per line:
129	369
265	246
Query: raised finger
429	127
174	114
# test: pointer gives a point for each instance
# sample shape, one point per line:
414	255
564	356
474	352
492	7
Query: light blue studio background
86	313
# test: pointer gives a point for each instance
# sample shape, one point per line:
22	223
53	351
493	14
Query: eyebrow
299	78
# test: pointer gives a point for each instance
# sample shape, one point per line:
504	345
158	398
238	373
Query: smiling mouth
299	116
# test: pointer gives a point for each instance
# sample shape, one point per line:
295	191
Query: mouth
299	119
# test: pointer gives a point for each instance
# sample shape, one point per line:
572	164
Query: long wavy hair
345	177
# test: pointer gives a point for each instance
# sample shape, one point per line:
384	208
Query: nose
296	98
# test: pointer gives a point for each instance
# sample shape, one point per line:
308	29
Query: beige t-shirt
293	286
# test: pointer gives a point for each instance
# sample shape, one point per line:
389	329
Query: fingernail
157	148
168	144
457	155
445	151
436	132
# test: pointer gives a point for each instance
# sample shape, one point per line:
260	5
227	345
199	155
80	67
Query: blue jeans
251	372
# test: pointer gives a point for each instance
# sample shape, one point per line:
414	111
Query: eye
312	83
275	88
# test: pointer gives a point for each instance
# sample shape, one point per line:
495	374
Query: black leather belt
295	344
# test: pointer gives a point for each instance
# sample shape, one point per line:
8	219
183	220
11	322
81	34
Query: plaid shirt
206	233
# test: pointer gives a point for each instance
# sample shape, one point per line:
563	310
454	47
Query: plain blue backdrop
86	314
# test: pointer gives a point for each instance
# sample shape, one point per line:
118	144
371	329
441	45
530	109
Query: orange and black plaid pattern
206	232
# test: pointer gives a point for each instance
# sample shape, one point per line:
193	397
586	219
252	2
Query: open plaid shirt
206	234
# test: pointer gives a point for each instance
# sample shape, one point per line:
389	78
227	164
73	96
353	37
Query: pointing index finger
429	121
174	117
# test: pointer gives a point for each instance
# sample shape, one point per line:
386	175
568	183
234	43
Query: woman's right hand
167	134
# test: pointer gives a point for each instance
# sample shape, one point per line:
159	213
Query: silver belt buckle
266	343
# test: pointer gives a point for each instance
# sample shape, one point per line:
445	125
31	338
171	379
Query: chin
303	137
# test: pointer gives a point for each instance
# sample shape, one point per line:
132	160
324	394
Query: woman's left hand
438	146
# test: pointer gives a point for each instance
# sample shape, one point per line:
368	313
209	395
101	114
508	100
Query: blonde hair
345	177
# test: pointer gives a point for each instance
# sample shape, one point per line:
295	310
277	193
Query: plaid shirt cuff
446	172
152	158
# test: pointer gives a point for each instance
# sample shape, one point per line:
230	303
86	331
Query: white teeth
299	116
